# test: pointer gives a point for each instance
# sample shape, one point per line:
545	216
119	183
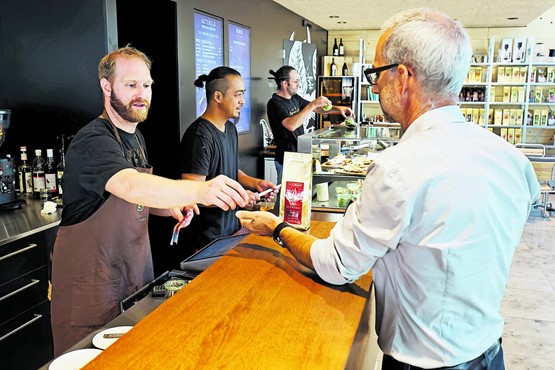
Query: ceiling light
512	18
334	16
341	22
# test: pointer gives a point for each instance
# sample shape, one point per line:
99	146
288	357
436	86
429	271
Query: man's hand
224	193
347	112
260	223
186	212
253	199
321	102
264	185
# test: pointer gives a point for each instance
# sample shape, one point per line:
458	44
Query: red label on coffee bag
293	212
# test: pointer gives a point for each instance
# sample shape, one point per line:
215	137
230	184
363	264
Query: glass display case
342	156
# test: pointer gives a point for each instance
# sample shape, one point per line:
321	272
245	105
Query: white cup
322	193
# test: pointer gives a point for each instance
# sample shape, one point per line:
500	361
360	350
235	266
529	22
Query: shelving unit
341	91
368	103
501	96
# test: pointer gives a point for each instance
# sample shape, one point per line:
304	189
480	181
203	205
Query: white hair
434	45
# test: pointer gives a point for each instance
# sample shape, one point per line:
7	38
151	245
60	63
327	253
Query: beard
390	104
236	119
129	112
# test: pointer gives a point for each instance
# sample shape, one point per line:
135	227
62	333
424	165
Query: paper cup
322	194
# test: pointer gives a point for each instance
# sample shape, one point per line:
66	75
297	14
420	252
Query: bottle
333	68
38	173
25	175
60	170
50	174
345	70
341	48
335	48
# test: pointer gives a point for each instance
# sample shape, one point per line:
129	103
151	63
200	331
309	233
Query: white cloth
439	218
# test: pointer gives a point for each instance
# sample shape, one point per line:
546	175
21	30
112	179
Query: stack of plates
79	358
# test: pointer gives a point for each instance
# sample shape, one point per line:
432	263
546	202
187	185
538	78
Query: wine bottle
38	173
335	48
333	68
345	70
50	174
60	170
341	48
24	172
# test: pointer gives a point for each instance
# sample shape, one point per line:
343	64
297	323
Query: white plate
74	359
100	342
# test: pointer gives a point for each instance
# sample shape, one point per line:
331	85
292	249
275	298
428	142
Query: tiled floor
529	303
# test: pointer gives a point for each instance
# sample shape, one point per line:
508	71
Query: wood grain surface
255	308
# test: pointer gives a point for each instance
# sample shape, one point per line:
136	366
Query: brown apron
96	264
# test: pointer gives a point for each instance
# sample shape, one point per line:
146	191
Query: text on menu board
240	59
209	45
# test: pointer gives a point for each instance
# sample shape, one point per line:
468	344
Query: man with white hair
440	215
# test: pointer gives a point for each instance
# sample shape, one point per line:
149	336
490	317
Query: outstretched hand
224	193
265	185
259	223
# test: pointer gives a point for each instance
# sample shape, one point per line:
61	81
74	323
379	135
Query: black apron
96	264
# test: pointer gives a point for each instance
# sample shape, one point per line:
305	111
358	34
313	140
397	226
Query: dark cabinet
341	92
25	333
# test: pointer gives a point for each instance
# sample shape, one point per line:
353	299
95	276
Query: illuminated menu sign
209	45
240	59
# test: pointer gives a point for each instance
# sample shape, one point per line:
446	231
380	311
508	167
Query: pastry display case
341	158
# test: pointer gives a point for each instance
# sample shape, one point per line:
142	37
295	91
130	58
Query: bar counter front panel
256	307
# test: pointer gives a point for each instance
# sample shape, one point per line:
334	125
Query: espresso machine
8	195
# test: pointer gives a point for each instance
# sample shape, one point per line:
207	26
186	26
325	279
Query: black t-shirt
93	157
278	109
207	151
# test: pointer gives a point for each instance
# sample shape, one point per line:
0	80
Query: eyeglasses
372	74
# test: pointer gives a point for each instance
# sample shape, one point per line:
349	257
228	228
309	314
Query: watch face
278	240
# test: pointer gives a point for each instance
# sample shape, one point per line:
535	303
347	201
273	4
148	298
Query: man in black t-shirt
209	148
287	112
102	250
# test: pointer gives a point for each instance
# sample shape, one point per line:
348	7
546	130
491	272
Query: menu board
209	45
240	59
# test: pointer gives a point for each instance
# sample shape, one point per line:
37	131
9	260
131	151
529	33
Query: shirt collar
442	115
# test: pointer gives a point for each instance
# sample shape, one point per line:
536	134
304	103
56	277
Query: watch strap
277	231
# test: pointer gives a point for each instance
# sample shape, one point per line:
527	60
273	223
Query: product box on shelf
500	74
519	50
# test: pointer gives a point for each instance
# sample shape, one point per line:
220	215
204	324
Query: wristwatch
277	231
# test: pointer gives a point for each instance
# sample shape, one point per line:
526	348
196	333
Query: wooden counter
256	308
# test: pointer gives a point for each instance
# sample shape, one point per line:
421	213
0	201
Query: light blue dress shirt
438	221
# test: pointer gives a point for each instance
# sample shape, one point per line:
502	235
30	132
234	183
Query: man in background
287	112
440	214
209	148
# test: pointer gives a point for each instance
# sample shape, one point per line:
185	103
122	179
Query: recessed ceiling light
334	16
341	22
512	18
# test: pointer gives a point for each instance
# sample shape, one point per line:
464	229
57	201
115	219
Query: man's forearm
247	181
294	122
299	245
141	188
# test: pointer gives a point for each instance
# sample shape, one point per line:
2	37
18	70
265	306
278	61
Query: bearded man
102	250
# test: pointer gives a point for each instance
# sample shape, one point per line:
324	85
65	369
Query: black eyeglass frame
369	71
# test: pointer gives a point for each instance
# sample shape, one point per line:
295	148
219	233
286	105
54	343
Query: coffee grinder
8	195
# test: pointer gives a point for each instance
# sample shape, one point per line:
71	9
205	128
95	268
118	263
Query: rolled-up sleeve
371	226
